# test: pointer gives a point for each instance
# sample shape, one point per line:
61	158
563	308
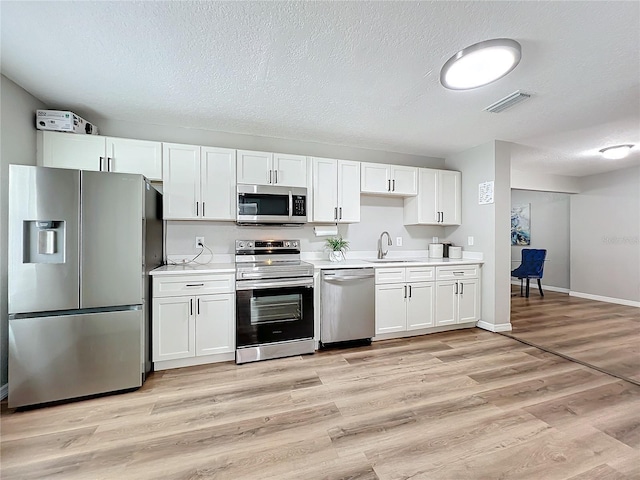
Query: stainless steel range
274	300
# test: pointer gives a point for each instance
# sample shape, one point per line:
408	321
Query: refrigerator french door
80	245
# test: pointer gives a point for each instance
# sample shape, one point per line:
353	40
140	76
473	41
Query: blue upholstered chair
531	266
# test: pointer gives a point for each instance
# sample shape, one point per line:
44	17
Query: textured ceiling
361	74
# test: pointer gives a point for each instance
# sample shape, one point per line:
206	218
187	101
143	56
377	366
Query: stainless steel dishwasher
347	305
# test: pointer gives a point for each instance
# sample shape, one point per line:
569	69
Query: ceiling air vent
507	102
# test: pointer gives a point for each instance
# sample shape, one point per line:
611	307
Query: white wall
549	230
544	182
18	145
605	236
376	214
211	138
488	224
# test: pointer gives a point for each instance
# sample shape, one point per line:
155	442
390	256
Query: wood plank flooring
604	335
467	404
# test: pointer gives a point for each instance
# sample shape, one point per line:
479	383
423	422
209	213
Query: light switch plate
399	241
469	241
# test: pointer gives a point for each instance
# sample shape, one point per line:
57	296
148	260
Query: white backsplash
377	214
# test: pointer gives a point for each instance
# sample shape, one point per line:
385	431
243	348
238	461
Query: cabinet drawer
461	271
390	275
171	286
420	274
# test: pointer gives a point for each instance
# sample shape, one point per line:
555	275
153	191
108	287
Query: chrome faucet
382	254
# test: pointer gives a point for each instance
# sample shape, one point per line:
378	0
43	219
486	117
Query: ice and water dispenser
43	241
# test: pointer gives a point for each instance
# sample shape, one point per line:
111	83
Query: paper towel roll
435	250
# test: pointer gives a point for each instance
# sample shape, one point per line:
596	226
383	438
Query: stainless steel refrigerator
81	245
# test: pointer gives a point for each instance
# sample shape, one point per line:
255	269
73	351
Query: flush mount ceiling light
480	64
616	152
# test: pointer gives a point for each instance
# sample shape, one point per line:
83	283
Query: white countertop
194	268
417	262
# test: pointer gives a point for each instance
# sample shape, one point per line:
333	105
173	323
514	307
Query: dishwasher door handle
346	279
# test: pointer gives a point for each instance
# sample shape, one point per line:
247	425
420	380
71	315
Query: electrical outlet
435	240
199	242
469	241
399	241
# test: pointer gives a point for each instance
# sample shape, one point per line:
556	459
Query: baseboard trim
4	391
544	287
503	327
600	298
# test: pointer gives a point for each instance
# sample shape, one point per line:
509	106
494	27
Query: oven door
270	204
273	311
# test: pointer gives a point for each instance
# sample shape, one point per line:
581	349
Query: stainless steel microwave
259	204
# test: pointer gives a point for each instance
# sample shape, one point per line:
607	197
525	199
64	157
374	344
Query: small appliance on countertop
274	300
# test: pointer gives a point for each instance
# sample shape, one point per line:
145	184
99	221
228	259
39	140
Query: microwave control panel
299	206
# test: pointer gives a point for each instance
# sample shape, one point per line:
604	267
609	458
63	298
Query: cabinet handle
456	292
109	164
405	291
191	306
409	291
198	306
195	284
270	173
461	288
203	209
101	162
388	185
340	215
275	174
197	209
335	213
394	185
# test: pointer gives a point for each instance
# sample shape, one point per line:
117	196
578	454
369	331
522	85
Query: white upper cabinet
135	156
264	168
381	179
336	190
199	182
98	153
438	200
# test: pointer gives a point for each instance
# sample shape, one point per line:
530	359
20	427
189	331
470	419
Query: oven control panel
266	245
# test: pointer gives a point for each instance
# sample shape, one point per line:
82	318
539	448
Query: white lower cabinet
457	295
402	302
190	318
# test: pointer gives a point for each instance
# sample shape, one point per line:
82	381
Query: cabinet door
255	168
173	328
181	185
468	296
218	184
135	156
420	305
446	303
391	308
348	191
289	170
72	150
449	196
325	195
375	178
404	180
215	324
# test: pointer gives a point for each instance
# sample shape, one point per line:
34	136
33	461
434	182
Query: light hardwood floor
604	335
468	404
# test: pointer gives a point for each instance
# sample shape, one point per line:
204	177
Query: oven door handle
263	285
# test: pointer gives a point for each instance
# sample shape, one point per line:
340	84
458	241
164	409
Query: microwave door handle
290	205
